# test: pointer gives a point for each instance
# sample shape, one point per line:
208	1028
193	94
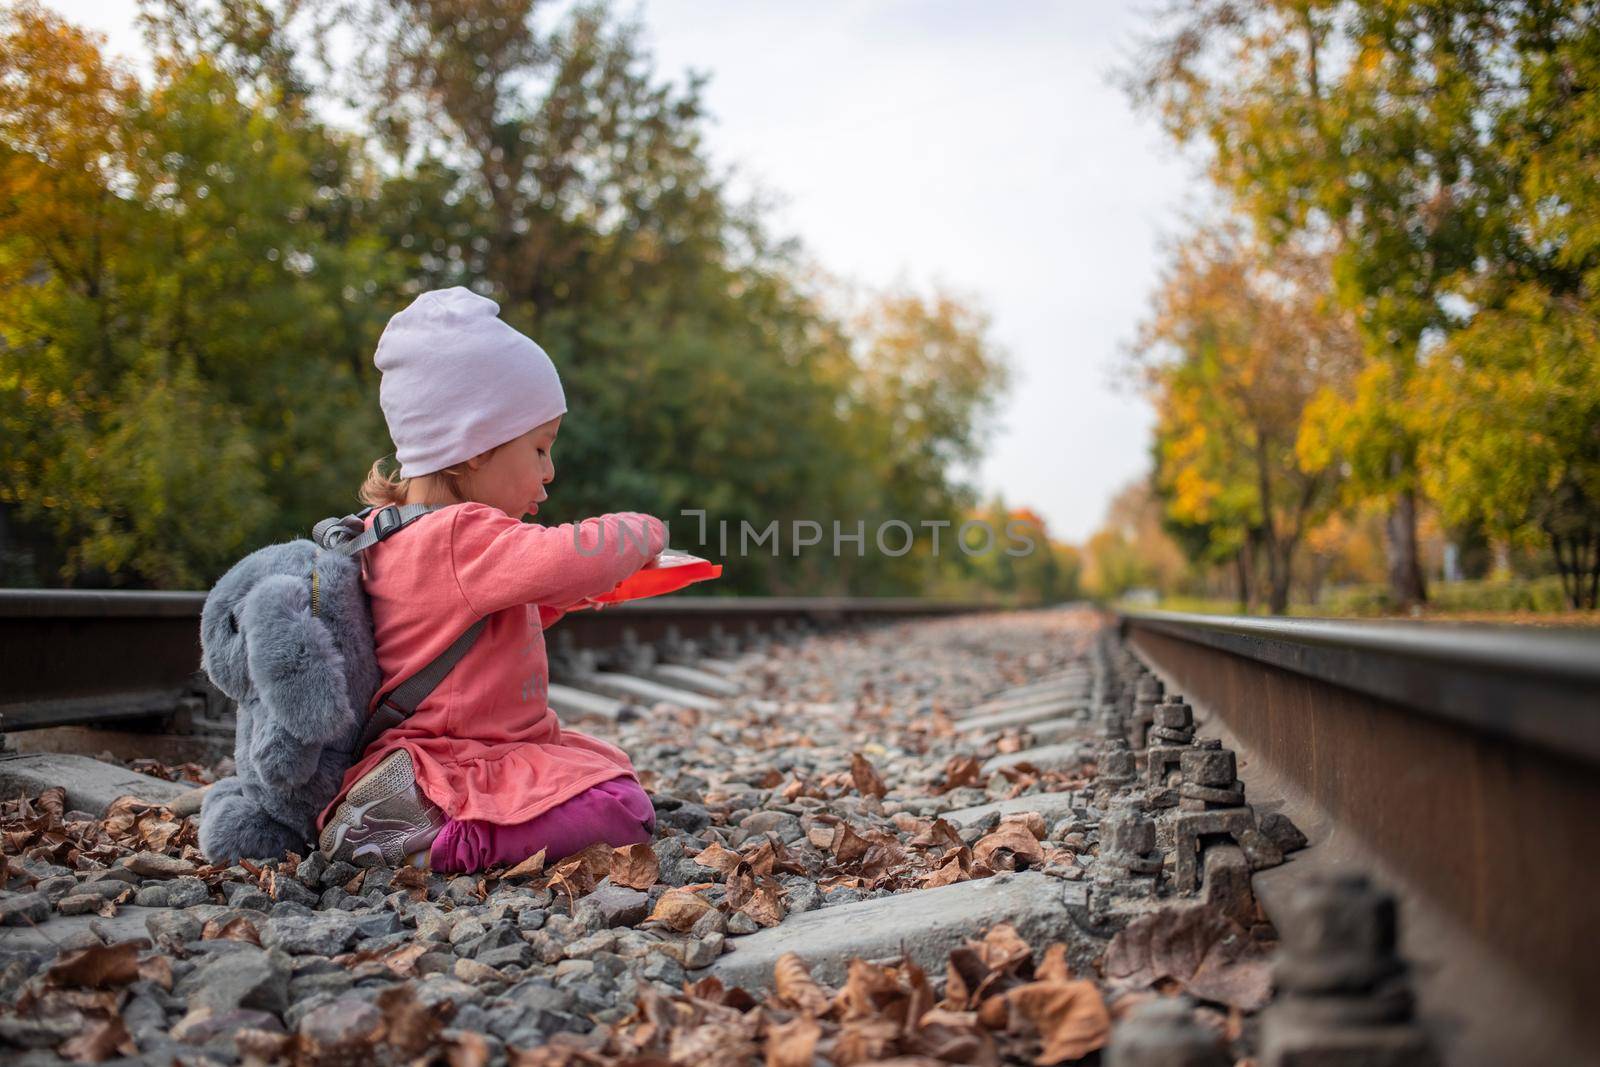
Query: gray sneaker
384	819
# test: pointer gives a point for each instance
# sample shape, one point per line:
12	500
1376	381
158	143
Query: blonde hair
384	486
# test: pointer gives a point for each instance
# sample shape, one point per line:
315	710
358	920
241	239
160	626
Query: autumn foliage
1399	310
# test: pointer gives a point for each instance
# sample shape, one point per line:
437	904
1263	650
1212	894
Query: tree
1515	399
184	372
196	273
1362	124
1238	342
1130	550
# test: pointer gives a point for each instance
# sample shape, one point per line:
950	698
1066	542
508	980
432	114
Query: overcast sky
981	146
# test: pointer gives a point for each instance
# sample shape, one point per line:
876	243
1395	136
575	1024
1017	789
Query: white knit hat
457	381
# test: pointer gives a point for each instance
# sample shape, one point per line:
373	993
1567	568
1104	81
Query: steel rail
72	656
1457	763
1531	684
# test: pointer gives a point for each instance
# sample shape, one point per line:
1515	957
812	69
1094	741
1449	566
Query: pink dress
485	744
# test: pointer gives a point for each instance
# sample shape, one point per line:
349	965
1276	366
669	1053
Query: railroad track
1452	769
1455	764
76	657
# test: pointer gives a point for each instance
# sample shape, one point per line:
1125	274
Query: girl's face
514	477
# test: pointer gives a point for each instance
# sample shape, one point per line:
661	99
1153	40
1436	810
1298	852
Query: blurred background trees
194	270
1402	320
1374	358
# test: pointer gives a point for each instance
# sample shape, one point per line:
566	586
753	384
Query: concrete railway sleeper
896	807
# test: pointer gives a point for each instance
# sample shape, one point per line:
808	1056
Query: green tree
205	282
1239	340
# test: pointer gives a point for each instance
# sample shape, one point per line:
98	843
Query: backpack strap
350	536
396	706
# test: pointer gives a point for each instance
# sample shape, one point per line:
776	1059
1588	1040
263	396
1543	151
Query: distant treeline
194	270
1388	334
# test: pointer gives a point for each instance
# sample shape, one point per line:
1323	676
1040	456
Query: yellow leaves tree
1239	341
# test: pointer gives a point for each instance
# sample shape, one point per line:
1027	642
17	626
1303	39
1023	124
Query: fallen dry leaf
1031	821
1009	847
411	1027
96	967
718	858
865	776
765	905
792	981
582	871
846	845
679	909
531	867
236	929
794	1043
635	867
1069	1017
961	771
157	969
465	1048
99	1040
1054	966
1199	948
956	867
938	834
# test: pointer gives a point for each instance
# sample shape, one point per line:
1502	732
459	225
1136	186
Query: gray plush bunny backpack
287	634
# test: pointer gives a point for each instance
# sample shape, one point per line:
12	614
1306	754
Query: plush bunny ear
222	651
294	665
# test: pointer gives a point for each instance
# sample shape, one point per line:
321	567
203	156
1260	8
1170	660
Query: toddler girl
481	773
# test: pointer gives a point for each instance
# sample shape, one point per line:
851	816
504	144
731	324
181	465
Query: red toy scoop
667	573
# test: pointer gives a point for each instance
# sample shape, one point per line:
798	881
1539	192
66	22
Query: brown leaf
1054	966
679	909
765	904
411	1026
792	981
53	803
954	1037
1002	948
938	834
261	1047
402	959
847	846
157	969
236	929
96	967
717	858
528	868
1069	1017
98	1041
867	989
865	776
865	1040
1202	950
1009	847
1031	821
961	771
466	1049
635	867
956	867
794	1043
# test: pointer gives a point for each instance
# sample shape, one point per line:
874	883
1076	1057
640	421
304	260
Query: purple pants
617	812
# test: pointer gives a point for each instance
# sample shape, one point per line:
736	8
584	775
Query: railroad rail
72	657
1455	763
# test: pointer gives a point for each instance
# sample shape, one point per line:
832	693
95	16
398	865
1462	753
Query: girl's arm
499	561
